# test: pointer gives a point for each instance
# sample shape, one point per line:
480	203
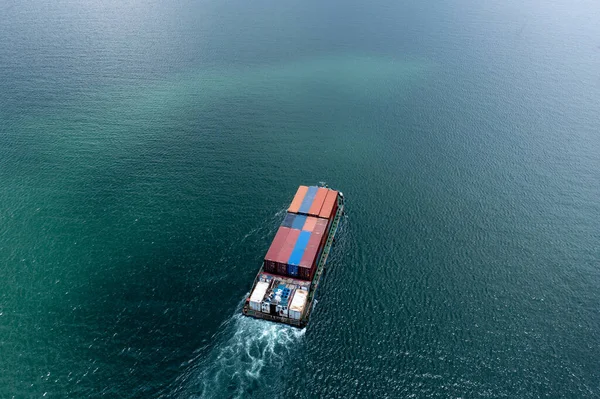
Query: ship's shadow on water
244	350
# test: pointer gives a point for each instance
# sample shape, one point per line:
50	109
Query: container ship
286	284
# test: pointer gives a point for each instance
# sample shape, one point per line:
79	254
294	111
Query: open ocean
149	149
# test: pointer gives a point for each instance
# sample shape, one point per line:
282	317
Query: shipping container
317	204
309	256
329	205
258	295
299	221
306	273
286	251
298	198
321	228
292	270
308	200
310	223
273	295
298	303
281	269
297	253
288	220
308	263
275	248
321	225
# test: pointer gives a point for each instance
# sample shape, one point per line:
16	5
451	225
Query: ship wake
245	350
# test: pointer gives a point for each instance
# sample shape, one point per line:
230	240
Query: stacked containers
297	253
298	222
299	242
329	205
310	224
298	198
317	204
322	225
308	263
275	248
308	200
286	251
307	266
289	220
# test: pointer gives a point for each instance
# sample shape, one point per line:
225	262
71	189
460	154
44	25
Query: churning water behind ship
248	357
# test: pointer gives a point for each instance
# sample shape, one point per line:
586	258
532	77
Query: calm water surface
148	150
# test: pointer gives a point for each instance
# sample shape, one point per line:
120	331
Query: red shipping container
322	222
281	269
306	273
321	230
275	248
308	259
329	205
308	264
321	226
315	208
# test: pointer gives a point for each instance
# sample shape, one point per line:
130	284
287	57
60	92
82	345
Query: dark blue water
148	151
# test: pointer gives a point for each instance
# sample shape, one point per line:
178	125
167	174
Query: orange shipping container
298	198
315	208
310	223
329	204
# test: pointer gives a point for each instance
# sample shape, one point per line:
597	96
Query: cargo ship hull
303	290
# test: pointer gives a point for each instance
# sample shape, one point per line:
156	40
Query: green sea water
148	151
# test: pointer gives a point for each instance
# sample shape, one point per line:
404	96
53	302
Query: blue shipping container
292	270
308	199
299	221
289	220
298	251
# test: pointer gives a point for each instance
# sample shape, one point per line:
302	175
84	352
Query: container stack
279	296
298	244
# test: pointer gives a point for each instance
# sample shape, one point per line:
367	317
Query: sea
149	150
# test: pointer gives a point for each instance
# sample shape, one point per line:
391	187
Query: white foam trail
245	348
